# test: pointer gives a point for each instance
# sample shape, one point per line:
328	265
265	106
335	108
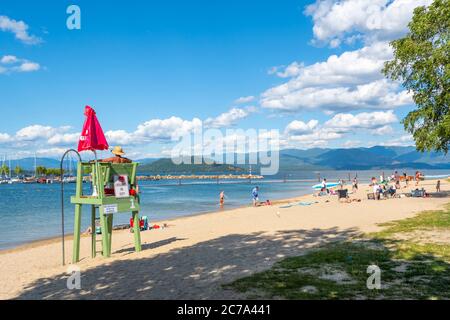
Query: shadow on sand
194	272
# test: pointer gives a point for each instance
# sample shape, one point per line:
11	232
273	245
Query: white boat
69	180
16	180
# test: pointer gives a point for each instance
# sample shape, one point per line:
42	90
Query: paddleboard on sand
329	185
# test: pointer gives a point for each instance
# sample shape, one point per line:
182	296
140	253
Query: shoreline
69	236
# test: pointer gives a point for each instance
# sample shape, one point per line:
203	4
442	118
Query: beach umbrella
92	137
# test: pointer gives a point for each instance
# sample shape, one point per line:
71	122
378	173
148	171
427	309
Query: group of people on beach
385	186
255	198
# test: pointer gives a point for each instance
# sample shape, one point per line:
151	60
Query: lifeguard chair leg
105	240
76	234
110	228
137	232
94	233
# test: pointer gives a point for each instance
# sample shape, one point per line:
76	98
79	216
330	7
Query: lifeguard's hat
118	151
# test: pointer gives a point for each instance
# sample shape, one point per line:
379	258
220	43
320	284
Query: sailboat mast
35	166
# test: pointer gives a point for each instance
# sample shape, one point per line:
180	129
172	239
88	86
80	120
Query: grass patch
426	220
409	269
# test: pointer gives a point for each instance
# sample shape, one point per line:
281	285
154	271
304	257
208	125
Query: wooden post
137	232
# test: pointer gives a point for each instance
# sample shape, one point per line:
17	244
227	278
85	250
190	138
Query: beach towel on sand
298	204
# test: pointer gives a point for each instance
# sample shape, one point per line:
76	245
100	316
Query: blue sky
140	63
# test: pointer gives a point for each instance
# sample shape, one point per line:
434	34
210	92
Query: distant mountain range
166	166
27	164
377	157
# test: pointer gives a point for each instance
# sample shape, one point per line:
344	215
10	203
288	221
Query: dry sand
195	256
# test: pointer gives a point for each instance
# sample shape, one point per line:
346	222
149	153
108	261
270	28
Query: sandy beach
194	256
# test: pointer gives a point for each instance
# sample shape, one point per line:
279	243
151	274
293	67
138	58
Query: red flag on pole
92	136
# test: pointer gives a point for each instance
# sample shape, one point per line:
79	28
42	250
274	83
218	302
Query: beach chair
342	194
145	219
418	193
370	196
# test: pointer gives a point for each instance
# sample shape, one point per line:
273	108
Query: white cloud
364	120
229	118
28	67
297	127
352	80
382	131
351	144
380	94
35	132
167	129
13	64
402	141
242	100
8	59
372	20
64	139
299	134
4	138
349	68
120	137
19	29
50	152
291	70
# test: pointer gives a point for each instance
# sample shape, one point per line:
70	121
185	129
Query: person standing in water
222	199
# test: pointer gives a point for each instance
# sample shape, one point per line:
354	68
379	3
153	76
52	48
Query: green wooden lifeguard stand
102	175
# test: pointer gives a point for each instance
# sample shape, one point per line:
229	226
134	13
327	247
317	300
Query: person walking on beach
355	185
324	186
397	180
255	194
406	178
417	177
341	184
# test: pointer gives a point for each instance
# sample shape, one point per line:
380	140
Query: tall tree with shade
422	64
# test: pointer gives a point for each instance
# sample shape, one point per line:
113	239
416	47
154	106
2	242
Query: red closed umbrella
92	136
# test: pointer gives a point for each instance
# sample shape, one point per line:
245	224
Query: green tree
4	169
421	64
18	170
41	171
54	172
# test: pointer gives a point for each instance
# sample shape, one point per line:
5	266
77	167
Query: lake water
31	212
